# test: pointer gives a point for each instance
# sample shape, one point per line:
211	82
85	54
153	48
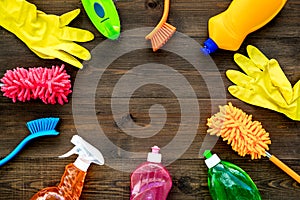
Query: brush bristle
161	36
42	125
238	129
50	85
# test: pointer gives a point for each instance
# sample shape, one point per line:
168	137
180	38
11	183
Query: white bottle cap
154	156
212	161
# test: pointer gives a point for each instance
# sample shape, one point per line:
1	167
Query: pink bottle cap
155	149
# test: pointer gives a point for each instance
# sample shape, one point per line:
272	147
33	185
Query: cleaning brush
51	85
38	128
244	135
163	31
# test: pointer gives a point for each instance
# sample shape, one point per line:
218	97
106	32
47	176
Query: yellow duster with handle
264	84
48	36
245	135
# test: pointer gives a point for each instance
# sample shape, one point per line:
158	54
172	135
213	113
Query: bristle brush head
238	129
45	126
162	35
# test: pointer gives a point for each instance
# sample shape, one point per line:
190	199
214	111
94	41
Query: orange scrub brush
244	135
163	31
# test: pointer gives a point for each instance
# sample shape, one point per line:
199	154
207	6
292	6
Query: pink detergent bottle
151	180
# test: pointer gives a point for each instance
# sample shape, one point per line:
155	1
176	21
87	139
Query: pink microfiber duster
51	85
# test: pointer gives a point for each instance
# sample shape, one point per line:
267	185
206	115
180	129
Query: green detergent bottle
227	181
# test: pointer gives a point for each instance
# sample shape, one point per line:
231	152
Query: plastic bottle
228	29
71	184
151	180
228	181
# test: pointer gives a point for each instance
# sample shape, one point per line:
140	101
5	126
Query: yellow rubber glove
264	84
48	36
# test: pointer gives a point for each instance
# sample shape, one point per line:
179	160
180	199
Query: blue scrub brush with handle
38	128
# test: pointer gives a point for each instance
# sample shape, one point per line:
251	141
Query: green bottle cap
207	154
211	159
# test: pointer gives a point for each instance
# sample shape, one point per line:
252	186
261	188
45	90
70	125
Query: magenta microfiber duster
51	85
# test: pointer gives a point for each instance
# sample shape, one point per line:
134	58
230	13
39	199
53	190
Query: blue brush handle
24	142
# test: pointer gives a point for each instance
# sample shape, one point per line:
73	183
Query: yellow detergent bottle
228	29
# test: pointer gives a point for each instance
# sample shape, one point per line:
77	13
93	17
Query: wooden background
37	166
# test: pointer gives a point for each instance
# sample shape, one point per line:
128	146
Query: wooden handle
285	168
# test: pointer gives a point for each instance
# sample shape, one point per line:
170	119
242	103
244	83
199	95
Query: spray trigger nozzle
86	151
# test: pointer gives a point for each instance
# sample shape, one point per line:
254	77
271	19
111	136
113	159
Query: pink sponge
51	85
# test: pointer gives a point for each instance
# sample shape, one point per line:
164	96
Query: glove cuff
16	13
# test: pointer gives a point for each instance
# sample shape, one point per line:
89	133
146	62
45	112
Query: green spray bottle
228	181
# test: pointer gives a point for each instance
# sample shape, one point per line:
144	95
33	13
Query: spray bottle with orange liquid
228	29
71	184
